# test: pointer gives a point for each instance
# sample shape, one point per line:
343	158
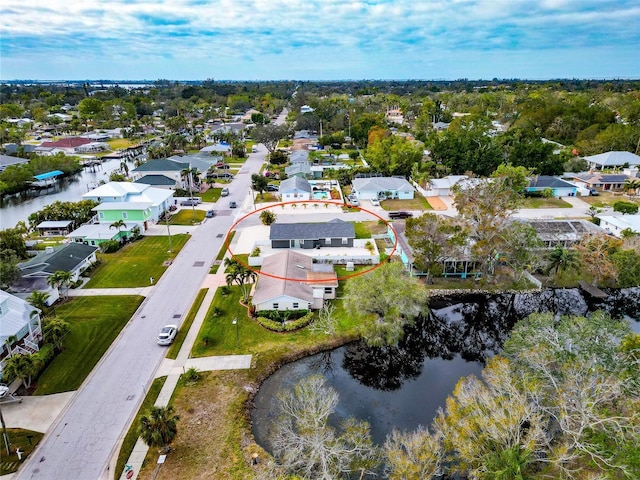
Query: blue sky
318	39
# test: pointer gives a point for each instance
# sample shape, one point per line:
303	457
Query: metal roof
312	231
45	176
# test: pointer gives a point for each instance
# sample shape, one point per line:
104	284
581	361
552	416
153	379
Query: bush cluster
289	326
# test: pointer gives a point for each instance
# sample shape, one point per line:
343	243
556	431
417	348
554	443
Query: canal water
403	387
16	208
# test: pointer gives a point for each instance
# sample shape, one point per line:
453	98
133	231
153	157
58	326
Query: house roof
108	206
381	184
66	258
161	165
54	224
157	180
129	192
602	177
563	229
446	182
295	184
69	142
335	228
14	315
12	148
400	228
547	181
6	160
298	168
622	221
613	159
298	156
287	274
98	231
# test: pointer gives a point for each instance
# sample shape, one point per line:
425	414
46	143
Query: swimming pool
321	195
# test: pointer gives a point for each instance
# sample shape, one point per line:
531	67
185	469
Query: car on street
400	215
375	202
188	203
224	192
233	204
210	214
167	334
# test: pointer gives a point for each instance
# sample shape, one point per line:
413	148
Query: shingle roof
381	184
15	315
302	231
156	180
294	184
547	181
66	259
615	158
161	165
70	142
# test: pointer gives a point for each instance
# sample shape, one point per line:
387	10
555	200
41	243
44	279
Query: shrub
110	246
255	252
282	315
289	326
625	207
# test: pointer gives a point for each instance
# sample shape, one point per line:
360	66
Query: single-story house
559	187
20	328
96	233
299	169
24	286
299	156
6	160
462	267
295	189
15	149
216	148
382	187
334	233
73	257
68	145
600	181
612	159
52	228
563	233
615	224
162	166
294	282
160	181
140	196
441	187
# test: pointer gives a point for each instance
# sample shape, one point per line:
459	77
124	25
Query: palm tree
22	367
54	330
562	259
60	278
39	300
631	185
118	224
158	428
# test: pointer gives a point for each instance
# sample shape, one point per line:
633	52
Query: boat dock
592	290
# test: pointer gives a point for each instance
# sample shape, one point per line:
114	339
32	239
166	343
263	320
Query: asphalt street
85	436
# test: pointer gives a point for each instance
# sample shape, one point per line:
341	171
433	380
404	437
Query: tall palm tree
631	185
54	330
60	278
39	300
562	259
159	427
118	224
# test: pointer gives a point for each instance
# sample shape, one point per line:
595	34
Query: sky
318	39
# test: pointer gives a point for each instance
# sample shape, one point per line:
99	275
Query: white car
167	334
375	202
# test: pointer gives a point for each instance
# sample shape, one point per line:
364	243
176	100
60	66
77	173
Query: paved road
81	443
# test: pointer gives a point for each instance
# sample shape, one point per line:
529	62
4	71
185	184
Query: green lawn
417	203
133	265
218	335
118	143
188	216
95	322
25	440
607	199
174	349
211	195
535	202
131	437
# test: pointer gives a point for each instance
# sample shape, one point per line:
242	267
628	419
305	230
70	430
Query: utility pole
7	443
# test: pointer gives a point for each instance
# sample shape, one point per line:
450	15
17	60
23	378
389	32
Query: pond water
403	387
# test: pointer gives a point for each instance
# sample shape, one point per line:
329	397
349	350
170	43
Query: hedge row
286	326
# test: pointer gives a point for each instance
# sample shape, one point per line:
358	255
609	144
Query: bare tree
326	322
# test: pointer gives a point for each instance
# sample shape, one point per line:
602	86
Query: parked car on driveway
353	200
188	203
400	214
167	334
272	188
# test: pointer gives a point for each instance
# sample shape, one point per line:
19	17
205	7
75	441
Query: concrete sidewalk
94	292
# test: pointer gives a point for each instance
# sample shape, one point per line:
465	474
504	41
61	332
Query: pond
403	387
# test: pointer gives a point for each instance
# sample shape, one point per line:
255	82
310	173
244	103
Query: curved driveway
83	439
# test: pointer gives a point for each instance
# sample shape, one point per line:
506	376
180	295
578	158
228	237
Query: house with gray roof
295	189
299	170
334	233
294	282
20	328
12	149
166	167
382	187
73	257
156	180
6	160
600	181
616	224
612	160
559	187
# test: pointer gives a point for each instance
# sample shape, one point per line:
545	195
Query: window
328	290
327	241
295	305
101	215
275	306
124	215
345	241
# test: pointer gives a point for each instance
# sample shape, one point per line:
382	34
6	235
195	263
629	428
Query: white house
382	187
617	223
294	283
441	187
20	329
613	159
295	189
73	257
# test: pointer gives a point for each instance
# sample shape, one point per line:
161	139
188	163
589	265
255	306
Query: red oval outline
344	277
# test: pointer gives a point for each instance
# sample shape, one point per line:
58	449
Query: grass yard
267	197
607	199
132	265
417	203
175	347
539	202
211	195
131	437
26	441
95	322
187	216
366	229
118	143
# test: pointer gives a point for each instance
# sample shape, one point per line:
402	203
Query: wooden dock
592	290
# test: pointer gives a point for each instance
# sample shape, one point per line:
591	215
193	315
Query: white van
254	149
